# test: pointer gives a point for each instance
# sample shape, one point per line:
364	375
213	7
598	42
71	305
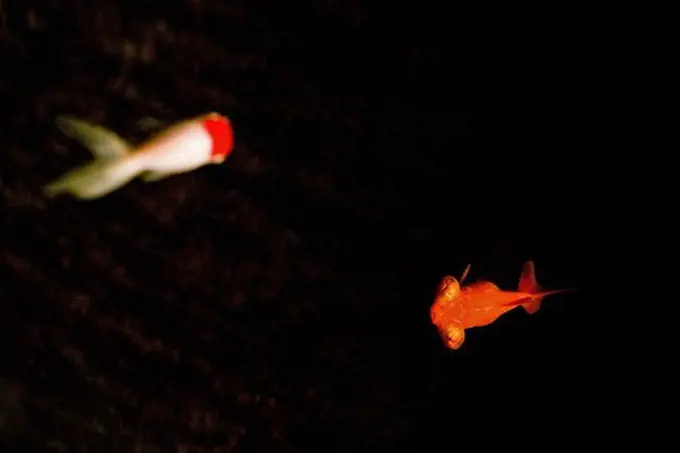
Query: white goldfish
184	146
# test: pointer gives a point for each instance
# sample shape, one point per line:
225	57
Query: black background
279	302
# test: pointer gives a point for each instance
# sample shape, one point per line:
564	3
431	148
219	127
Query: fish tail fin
97	178
103	143
529	284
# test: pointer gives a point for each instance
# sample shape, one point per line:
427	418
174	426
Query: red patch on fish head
222	136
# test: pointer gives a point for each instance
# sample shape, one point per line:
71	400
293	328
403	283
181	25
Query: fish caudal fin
528	284
96	179
100	141
112	167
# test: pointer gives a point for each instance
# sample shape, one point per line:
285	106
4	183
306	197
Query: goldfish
183	146
457	308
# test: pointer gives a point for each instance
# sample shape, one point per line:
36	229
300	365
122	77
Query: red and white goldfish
478	304
184	146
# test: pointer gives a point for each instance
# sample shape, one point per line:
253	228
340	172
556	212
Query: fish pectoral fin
153	176
101	142
465	274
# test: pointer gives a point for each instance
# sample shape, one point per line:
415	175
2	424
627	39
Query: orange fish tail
535	304
528	284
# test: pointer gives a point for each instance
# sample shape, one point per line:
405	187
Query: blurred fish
184	146
458	308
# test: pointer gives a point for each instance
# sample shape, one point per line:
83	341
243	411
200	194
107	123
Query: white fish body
183	147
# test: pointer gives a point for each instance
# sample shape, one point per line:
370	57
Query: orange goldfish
478	304
187	145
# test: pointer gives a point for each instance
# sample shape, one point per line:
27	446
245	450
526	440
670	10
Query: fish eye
455	336
449	287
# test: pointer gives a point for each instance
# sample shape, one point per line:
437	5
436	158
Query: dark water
279	302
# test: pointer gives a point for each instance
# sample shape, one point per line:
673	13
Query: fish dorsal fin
151	124
101	142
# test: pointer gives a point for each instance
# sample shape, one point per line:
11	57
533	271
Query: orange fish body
479	304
